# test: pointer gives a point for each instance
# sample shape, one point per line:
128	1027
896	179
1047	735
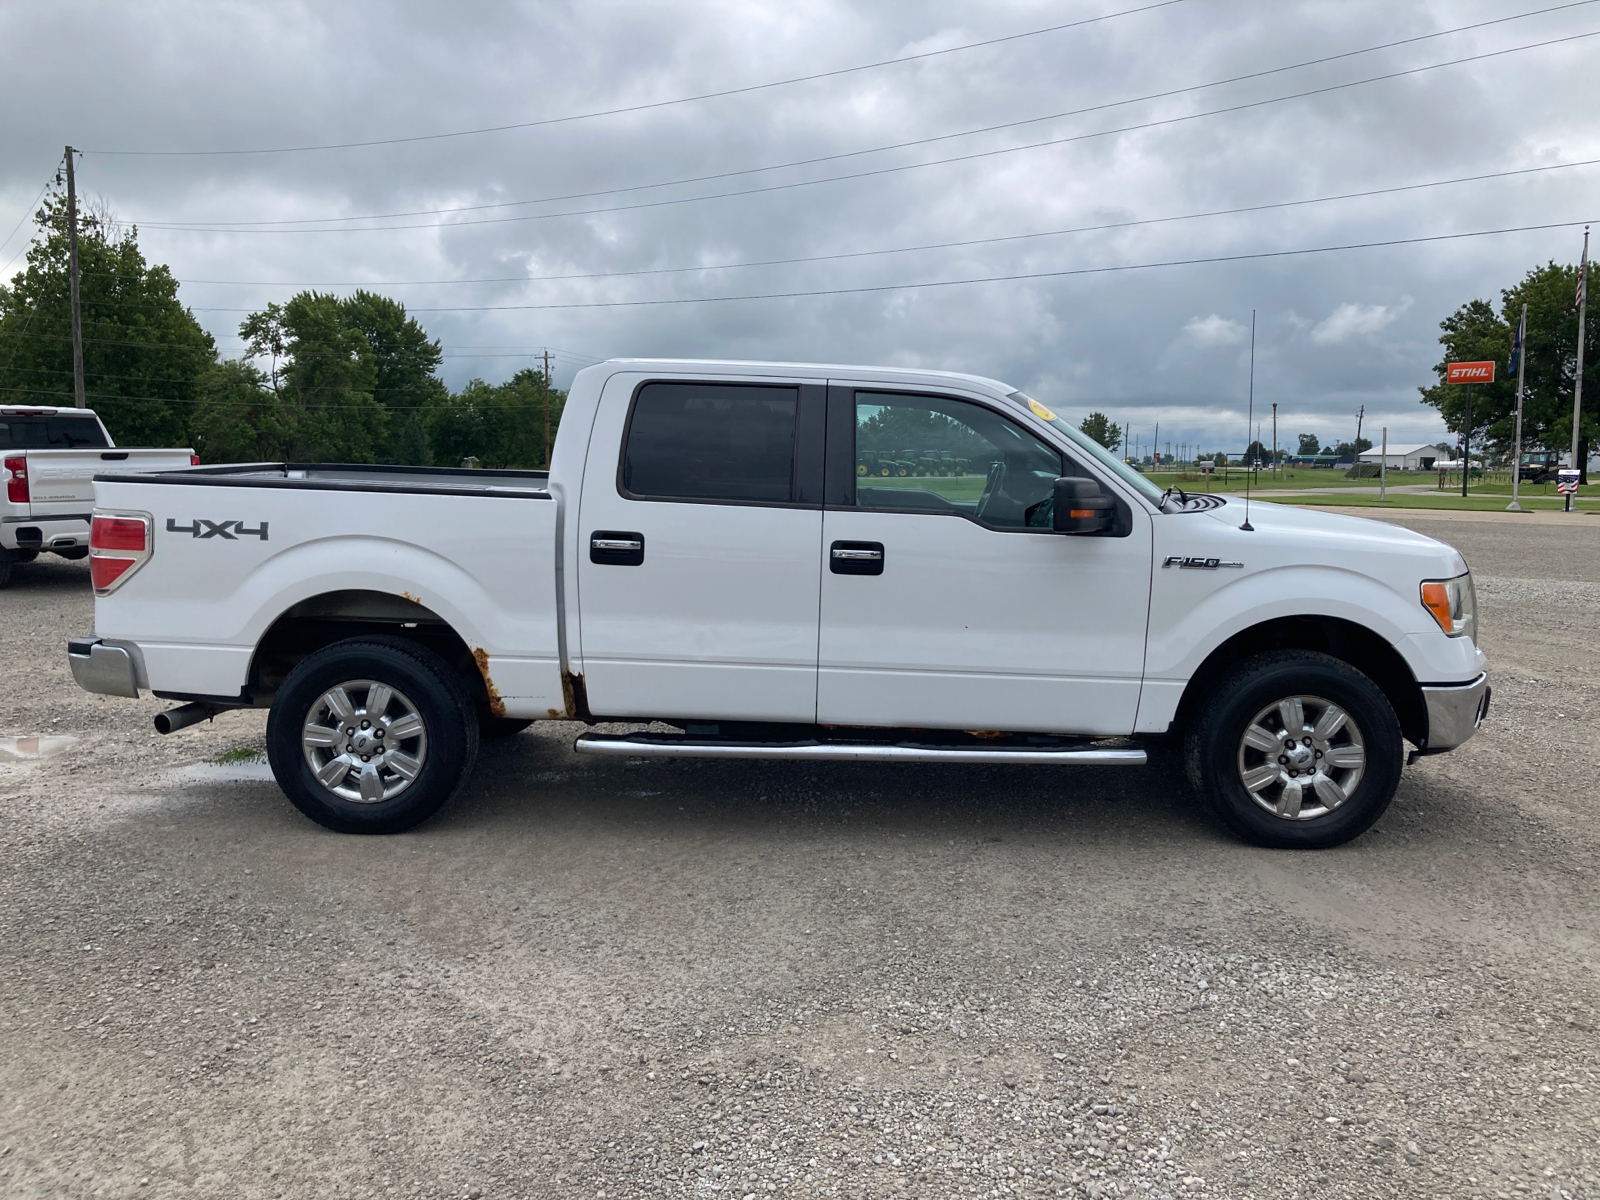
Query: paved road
594	978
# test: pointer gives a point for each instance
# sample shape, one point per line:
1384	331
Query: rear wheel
371	735
8	558
1296	749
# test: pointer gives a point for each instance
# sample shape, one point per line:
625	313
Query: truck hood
1377	548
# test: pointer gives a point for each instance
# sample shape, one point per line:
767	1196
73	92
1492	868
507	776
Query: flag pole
1249	419
1577	381
1519	351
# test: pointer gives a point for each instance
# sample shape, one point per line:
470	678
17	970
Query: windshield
1094	450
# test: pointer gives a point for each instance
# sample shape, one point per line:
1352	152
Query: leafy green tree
501	425
404	360
323	375
1310	445
144	353
1102	429
1476	331
1359	446
240	418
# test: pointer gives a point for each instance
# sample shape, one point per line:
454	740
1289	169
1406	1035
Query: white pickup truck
788	561
50	456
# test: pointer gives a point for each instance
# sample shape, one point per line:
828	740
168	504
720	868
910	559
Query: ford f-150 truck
50	456
717	547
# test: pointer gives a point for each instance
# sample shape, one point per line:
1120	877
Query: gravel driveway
594	978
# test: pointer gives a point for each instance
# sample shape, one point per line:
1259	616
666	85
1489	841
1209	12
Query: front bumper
109	670
1455	712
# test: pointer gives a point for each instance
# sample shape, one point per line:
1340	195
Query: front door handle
612	548
856	558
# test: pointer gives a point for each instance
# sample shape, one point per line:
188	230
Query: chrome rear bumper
1455	712
109	670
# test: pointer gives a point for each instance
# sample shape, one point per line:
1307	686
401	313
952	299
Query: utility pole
1274	439
546	378
1155	446
1383	467
72	278
1519	351
1360	412
1577	383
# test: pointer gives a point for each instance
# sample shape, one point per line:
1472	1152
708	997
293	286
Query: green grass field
1476	502
963	489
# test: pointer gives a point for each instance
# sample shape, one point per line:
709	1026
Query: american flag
1583	271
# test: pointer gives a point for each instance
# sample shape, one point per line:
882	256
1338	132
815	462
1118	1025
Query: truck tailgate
61	482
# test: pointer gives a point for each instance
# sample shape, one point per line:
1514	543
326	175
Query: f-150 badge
1197	564
231	530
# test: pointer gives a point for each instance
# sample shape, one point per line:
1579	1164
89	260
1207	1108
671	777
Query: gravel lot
600	979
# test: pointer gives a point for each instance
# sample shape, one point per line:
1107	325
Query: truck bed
348	477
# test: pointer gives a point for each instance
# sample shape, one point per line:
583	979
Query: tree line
323	378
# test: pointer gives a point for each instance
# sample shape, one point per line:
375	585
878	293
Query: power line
657	104
943	283
853	254
879	171
1005	278
427	212
27	212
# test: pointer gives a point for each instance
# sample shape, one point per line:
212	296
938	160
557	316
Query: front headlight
1454	604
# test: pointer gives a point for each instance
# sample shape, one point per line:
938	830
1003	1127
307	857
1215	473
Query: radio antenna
1249	423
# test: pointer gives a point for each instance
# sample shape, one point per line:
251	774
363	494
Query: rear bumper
97	667
44	533
1455	712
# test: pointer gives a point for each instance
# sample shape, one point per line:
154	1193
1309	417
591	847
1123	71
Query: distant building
1405	458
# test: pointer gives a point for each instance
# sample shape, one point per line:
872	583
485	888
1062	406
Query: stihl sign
1478	372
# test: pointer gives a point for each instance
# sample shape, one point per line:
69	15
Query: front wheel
1295	750
371	735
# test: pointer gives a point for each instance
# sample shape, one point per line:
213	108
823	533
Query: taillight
119	544
194	460
17	480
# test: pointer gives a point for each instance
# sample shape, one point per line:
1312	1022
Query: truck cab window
51	433
729	442
928	453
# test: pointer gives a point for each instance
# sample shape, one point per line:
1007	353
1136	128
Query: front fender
1192	612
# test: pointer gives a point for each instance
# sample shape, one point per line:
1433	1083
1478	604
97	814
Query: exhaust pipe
186	715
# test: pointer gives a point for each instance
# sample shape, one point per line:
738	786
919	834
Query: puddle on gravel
34	747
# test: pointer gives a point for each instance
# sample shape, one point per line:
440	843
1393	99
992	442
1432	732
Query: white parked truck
788	561
50	457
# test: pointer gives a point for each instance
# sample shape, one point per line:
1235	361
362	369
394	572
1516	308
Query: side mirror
1081	507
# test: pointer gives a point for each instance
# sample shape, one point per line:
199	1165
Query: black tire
426	687
492	729
7	559
1216	755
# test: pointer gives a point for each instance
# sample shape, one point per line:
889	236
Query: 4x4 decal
209	529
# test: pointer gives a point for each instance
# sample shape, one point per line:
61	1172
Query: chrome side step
659	746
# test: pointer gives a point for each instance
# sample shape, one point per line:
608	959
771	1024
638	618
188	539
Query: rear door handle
856	558
612	548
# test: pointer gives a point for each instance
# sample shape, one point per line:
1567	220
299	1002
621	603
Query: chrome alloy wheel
364	741
1301	757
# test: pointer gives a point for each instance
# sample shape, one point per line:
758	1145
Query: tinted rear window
50	433
689	441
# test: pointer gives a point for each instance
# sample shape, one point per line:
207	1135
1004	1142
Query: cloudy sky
654	230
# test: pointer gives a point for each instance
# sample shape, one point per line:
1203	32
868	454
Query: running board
659	746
